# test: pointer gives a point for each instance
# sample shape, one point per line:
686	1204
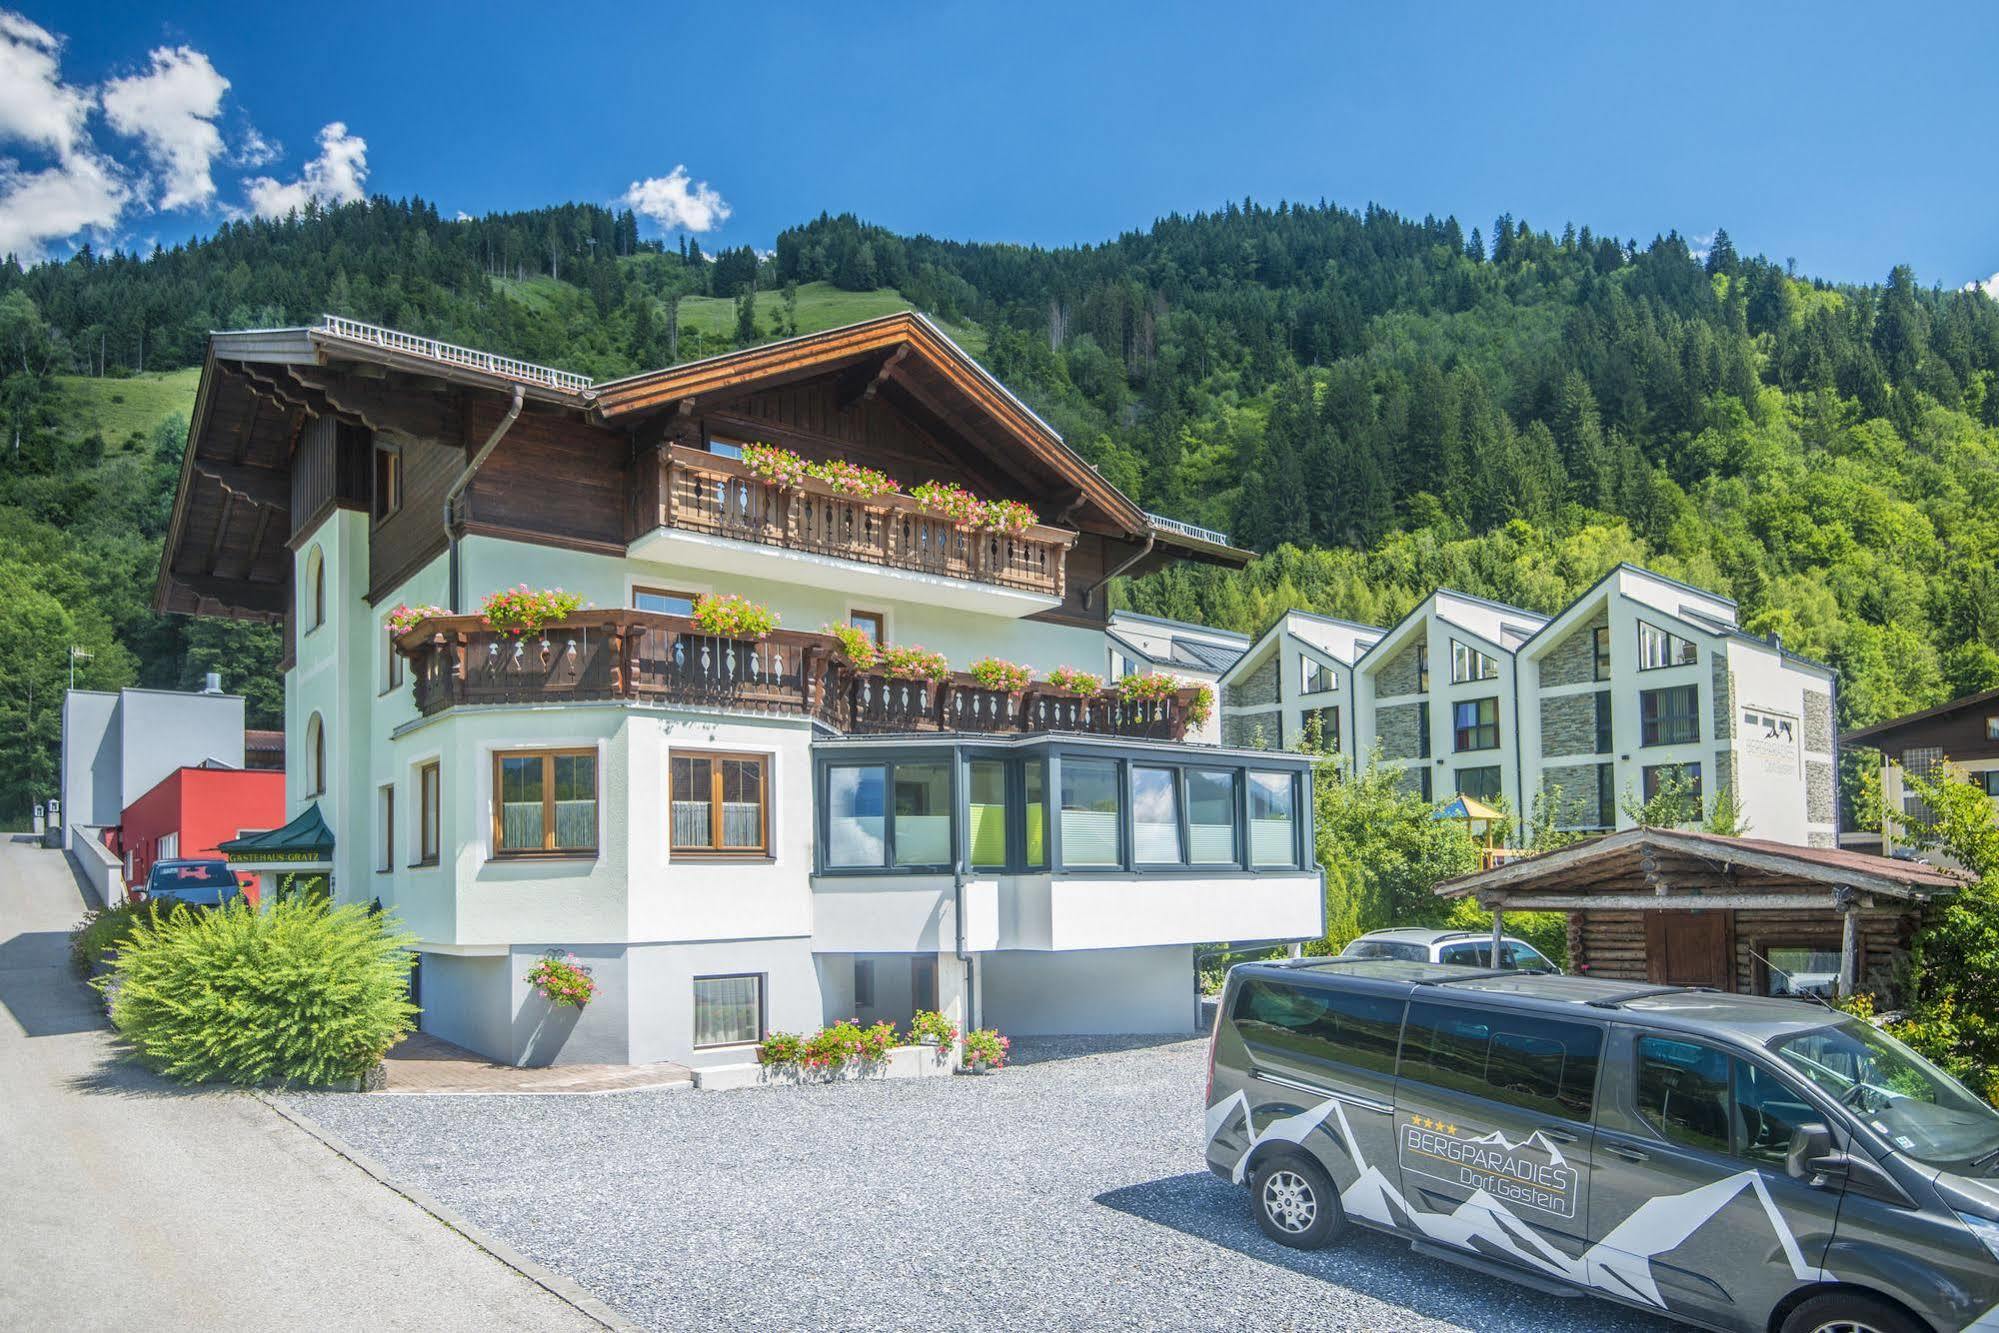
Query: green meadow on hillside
123	412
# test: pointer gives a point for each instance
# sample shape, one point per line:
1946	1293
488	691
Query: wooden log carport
1679	907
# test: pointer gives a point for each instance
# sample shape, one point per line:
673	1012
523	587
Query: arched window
315	757
315	566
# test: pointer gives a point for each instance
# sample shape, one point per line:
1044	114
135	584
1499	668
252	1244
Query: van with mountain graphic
1733	1161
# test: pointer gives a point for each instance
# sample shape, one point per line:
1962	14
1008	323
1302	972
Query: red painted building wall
205	807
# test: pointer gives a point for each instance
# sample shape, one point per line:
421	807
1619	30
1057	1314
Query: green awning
306	840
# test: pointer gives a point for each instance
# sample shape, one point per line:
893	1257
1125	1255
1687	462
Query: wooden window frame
641	590
880	619
386	807
392	455
430	812
395	672
714	850
548	850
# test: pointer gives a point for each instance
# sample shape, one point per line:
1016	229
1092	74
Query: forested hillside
1380	403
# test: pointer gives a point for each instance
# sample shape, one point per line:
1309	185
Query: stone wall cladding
1818	722
1577	805
1398	673
1250	731
1821	840
1411	779
1573	660
1396	726
1259	686
1568	724
1723	777
1818	791
1724	696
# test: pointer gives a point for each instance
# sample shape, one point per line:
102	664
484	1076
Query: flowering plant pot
733	617
1007	516
994	673
952	502
406	618
563	980
523	610
912	662
1070	680
780	467
985	1049
932	1029
853	479
855	645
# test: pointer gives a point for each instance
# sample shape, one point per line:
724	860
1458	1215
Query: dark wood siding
1959	734
1614	945
553	479
329	471
406	540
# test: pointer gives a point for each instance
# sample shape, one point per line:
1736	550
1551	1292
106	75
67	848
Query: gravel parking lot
1066	1192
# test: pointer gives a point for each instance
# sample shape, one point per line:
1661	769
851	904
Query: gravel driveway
1066	1192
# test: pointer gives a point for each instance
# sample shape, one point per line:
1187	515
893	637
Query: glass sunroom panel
1035	774
856	823
922	814
1272	815
1155	816
1211	816
987	807
1089	812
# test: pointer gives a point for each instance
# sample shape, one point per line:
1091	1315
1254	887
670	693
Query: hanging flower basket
912	662
853	479
406	618
563	981
733	617
952	502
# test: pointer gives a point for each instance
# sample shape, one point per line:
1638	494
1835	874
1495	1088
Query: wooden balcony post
668	479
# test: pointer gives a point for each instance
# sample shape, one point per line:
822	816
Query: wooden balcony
700	492
645	657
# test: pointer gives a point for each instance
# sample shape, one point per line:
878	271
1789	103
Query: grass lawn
821	305
124	411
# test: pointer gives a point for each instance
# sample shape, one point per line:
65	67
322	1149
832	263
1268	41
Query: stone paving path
421	1063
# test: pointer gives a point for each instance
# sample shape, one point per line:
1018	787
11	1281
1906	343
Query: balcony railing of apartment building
646	656
706	493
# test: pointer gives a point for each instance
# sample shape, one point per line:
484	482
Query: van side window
1312	1024
1683	1092
1537	1064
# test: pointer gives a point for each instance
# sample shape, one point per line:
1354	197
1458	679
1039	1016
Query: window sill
719	858
590	855
430	864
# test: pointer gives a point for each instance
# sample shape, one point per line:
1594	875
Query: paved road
128	1203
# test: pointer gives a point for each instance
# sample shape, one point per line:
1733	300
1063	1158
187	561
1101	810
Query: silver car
1463	948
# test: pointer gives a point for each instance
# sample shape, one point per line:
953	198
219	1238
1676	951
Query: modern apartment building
736	832
1295	683
1640	678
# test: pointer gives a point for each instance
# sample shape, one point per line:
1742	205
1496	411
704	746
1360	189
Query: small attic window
725	448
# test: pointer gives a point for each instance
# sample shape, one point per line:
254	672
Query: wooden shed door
1687	948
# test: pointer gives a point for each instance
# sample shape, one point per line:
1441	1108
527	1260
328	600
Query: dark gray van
1734	1161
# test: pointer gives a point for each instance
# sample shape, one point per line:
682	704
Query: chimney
213	685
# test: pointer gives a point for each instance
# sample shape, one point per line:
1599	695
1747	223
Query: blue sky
1834	134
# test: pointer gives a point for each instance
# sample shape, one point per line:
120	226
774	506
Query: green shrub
300	992
1546	931
103	929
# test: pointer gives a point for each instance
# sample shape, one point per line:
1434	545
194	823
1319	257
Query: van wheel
1295	1202
1849	1312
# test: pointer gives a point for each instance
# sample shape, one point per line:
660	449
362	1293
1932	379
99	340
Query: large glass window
1600	643
1313	676
1328	720
1301	1022
545	801
1604	740
1481	784
856	823
1034	779
720	803
1155	816
1541	1065
986	803
1211	816
1653	776
1468	663
1475	724
1670	716
1089	812
1657	648
429	803
728	1011
922	815
1273	799
1928	1114
1423	668
665	601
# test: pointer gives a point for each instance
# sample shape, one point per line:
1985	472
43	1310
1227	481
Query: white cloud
1990	286
254	150
171	108
81	190
337	176
37	207
673	201
36	107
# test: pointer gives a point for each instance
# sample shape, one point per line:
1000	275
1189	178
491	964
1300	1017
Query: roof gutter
465	479
1089	593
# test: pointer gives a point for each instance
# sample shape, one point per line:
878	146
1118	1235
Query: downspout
1143	551
958	891
465	479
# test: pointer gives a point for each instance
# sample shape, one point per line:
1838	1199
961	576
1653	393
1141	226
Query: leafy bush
1076	681
1202	706
996	673
102	930
524	610
780	1048
299	992
563	981
733	617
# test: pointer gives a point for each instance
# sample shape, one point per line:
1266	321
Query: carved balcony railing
644	656
702	492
